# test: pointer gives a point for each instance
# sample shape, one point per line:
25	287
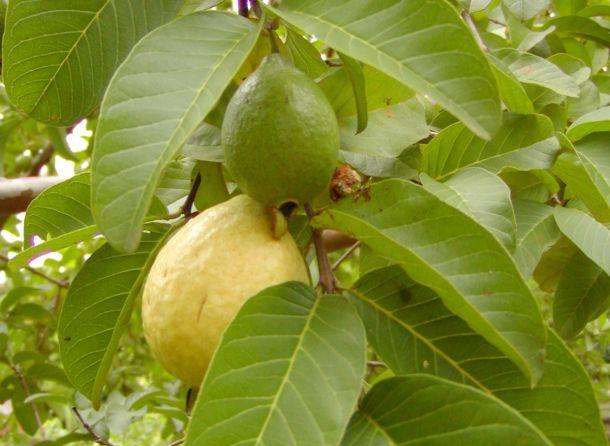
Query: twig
59	283
96	437
188	204
376	364
177	442
26	389
327	279
41	160
345	255
475	31
242	8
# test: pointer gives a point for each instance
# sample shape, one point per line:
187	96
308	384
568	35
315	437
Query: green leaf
438	56
534	70
422	410
353	69
57	138
60	209
66	439
287	371
591	237
597	121
449	252
15	294
526	9
62	241
536	233
572	66
304	55
413	332
580	27
97	310
191	6
481	195
524	142
583	293
512	92
587	174
176	181
59	56
204	144
390	130
213	189
158	97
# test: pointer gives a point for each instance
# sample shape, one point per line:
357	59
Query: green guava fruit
280	135
204	274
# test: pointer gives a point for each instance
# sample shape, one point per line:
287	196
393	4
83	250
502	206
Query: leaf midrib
285	379
69	53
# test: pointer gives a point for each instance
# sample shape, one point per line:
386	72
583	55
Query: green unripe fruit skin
280	135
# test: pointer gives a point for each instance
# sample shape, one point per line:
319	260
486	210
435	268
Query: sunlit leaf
287	371
532	69
449	252
591	237
94	317
59	56
437	56
483	196
524	142
157	98
424	410
536	233
412	331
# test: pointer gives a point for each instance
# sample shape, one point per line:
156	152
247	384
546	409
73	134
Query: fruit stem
188	204
327	278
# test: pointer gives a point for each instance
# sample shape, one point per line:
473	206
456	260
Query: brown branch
327	279
26	389
43	158
88	428
17	193
177	442
188	204
346	255
59	283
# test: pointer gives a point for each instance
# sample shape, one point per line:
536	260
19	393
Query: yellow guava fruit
280	135
204	274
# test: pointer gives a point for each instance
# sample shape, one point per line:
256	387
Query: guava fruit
280	135
204	274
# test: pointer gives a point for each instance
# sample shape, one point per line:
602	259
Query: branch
59	283
177	442
327	279
17	193
41	160
345	255
88	428
26	389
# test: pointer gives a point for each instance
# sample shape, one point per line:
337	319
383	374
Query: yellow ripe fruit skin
204	274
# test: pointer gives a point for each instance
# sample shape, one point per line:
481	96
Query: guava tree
458	257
